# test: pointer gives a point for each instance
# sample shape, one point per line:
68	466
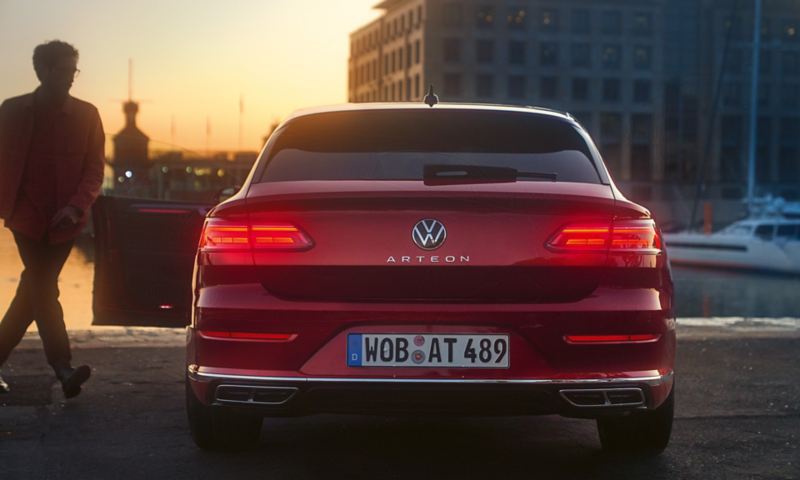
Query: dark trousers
37	300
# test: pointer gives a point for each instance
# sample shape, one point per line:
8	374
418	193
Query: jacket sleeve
93	168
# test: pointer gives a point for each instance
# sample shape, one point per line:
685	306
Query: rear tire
644	433
219	429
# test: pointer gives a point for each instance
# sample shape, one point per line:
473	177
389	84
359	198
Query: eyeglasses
74	72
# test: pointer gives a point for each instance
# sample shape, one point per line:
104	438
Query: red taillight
634	236
607	339
222	235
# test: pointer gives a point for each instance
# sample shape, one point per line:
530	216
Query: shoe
72	379
4	388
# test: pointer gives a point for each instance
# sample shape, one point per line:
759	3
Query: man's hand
66	217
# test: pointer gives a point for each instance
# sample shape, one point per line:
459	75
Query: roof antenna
431	98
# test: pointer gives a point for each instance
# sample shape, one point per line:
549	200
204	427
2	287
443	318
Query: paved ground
738	417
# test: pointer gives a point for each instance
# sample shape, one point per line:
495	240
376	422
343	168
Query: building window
642	23
764	61
641	163
484	85
611	128
386	64
416	52
408	88
416	87
419	15
580	89
790	62
642	57
611	22
581	54
452	49
453	14
612	57
408	56
581	21
549	20
485	17
642	91
790	95
790	30
399	58
548	88
732	94
452	84
516	52
763	95
516	86
585	119
548	54
611	89
517	18
642	128
484	51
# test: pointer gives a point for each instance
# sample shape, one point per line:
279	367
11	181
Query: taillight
621	236
223	235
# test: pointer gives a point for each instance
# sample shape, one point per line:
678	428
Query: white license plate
426	350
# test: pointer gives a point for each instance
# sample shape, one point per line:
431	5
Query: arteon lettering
425	259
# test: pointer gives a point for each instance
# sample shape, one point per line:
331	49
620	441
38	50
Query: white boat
767	240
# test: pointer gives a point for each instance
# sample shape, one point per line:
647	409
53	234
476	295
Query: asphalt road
738	416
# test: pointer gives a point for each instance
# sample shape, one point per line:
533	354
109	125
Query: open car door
144	259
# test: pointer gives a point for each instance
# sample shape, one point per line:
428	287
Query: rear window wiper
447	174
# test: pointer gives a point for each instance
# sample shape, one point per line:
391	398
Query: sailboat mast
751	159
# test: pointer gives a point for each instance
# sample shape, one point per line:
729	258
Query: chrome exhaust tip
253	395
604	397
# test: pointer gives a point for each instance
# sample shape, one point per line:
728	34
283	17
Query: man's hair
46	55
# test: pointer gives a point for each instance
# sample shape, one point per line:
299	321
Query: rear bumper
292	396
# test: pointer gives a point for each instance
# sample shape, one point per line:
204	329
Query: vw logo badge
429	234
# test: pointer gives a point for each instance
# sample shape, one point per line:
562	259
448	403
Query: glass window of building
485	17
642	91
580	89
581	54
763	95
484	85
641	163
516	52
452	49
642	57
453	14
790	95
611	58
790	30
517	18
484	51
452	84
416	52
732	94
581	21
400	58
409	58
419	15
610	127
765	61
642	128
611	89
585	119
548	88
548	54
611	22
417	93
731	129
516	86
790	62
642	23
548	20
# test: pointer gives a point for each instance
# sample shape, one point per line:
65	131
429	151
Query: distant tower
131	163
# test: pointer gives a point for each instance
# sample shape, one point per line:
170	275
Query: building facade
640	75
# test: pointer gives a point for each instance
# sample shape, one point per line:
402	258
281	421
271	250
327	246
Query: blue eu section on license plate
428	350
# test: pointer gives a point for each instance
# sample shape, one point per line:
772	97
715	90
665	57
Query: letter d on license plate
426	350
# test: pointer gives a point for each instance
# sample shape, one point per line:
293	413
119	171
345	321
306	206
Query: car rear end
459	259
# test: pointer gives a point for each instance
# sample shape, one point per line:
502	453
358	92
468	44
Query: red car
397	258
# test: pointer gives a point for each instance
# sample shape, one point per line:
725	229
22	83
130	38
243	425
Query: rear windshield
397	144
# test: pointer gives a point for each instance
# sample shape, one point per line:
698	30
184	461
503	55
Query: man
51	171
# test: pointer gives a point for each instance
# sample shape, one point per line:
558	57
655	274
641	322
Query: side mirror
227	193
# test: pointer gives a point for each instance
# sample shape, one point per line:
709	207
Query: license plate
413	350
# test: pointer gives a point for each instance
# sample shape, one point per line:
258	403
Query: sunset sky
192	59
